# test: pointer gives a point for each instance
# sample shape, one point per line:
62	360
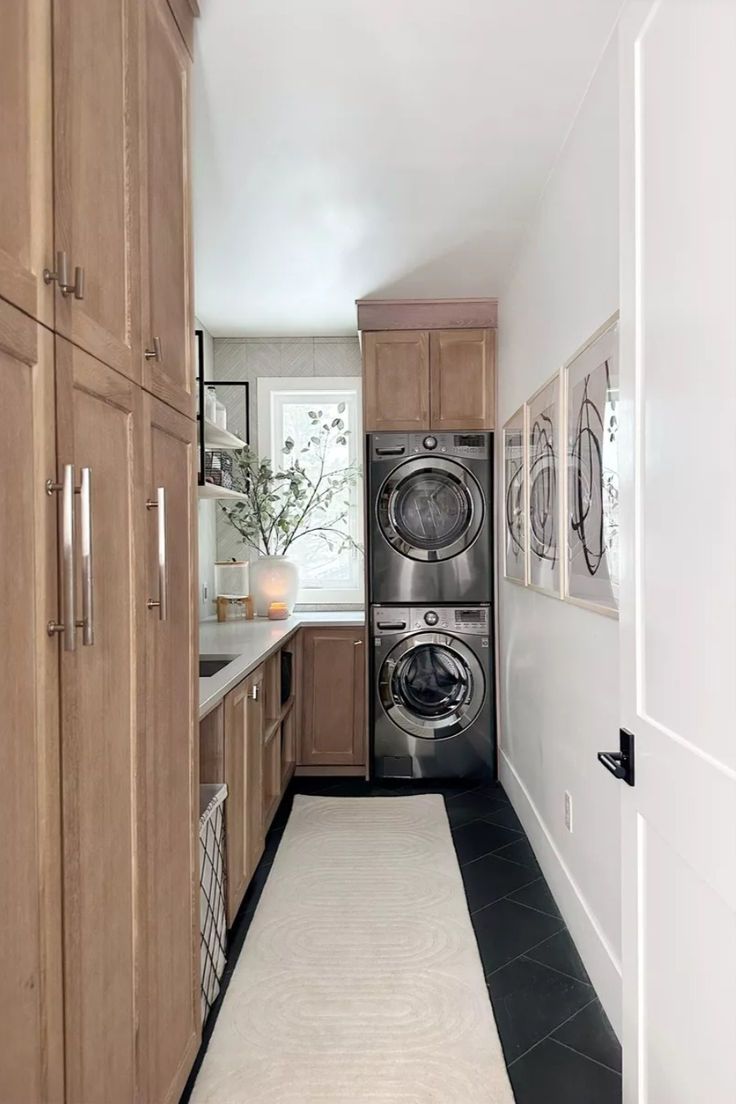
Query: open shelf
211	490
216	438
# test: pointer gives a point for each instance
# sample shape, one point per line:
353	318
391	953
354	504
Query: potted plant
310	495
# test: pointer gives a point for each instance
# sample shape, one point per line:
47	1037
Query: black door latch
621	763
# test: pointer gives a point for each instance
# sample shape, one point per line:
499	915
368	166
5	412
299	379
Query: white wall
559	663
206	510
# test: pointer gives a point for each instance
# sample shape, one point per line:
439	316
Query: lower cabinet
333	698
243	773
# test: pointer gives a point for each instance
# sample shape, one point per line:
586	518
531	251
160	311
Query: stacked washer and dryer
430	563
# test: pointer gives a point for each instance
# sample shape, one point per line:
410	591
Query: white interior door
678	490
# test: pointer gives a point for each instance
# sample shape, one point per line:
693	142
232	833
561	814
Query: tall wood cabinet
165	252
429	379
31	990
26	205
96	178
99	941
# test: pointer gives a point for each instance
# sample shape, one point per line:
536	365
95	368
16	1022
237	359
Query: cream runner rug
360	978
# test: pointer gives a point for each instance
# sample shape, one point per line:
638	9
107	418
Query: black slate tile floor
558	1044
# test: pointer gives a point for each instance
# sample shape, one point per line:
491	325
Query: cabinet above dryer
430	378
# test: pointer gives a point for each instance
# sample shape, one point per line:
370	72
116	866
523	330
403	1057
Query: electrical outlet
568	811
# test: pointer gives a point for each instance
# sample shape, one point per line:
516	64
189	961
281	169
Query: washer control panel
393	620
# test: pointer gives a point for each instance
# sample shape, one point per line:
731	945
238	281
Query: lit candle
278	611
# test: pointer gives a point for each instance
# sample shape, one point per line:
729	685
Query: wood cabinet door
96	179
244	778
333	691
26	203
31	1012
99	429
396	371
169	853
168	322
462	379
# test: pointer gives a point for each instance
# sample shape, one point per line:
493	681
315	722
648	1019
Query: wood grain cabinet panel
26	201
244	777
99	427
462	379
169	977
166	239
96	177
333	691
31	1013
396	373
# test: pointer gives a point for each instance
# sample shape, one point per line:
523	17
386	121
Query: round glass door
432	686
430	512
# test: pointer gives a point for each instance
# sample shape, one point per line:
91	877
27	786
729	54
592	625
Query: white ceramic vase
273	579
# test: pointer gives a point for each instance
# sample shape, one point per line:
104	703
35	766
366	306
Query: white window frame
334	389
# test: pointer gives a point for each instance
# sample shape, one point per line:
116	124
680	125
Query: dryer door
432	685
430	509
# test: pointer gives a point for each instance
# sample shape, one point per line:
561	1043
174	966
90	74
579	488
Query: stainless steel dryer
433	692
431	517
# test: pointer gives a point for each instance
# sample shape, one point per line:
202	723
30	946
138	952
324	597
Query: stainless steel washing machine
433	692
431	517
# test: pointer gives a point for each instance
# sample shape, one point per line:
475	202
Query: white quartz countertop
252	642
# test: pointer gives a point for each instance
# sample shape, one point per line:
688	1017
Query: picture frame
544	485
591	496
515	543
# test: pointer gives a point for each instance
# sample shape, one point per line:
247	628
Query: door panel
96	180
170	851
678	599
396	369
333	708
31	1024
26	204
166	249
99	426
244	777
462	379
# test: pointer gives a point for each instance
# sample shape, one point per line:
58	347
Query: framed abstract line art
543	495
591	400
514	469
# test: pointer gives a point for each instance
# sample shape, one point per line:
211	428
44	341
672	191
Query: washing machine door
430	509
432	685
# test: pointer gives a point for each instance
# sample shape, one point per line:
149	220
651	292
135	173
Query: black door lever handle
621	763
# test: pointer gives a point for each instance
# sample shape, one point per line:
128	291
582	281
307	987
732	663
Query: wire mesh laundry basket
212	919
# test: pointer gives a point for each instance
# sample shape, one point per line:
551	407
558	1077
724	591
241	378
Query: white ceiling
391	148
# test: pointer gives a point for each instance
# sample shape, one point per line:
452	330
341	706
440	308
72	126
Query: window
328	575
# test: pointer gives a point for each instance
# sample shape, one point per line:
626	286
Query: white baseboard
596	952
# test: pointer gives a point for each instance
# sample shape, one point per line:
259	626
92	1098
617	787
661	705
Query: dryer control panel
470	620
466	446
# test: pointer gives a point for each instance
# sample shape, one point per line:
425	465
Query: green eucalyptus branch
284	505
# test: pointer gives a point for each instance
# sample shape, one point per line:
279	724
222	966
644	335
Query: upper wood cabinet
166	237
396	393
31	1012
243	768
169	985
429	379
96	178
99	429
26	222
461	379
333	693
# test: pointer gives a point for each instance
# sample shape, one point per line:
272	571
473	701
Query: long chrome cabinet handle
67	626
162	605
88	578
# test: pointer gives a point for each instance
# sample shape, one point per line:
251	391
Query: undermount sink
209	665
